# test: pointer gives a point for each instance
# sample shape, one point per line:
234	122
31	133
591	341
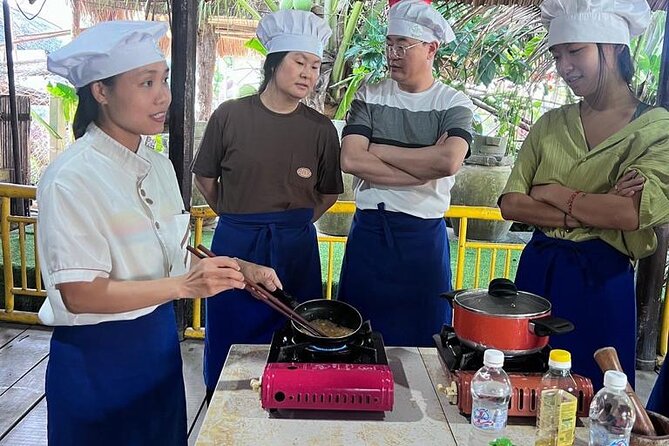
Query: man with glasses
404	140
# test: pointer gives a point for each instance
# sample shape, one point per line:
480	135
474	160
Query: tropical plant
367	54
646	53
67	104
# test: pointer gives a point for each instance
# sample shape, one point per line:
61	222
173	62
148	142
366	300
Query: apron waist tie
547	244
268	226
267	237
386	226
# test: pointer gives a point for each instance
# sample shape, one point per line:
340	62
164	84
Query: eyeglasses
400	51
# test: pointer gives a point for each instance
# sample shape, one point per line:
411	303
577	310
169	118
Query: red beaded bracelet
570	202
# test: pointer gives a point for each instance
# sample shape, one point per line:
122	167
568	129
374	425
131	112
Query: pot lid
502	298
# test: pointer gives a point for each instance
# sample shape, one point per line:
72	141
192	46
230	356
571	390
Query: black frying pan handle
550	325
283	296
502	287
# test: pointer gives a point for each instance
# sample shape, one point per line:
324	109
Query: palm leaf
45	124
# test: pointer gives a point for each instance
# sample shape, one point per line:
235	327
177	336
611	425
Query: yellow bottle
556	411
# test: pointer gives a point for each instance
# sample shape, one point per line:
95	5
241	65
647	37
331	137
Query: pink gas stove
350	376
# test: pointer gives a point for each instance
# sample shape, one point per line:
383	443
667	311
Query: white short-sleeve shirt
387	115
105	211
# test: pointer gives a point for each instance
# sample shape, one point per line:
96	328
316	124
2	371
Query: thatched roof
654	4
232	31
232	34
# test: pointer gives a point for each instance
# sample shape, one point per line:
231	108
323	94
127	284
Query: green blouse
556	151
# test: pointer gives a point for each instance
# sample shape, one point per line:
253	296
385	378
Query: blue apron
659	397
591	284
394	269
117	383
287	242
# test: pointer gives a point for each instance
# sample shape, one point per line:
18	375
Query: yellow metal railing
7	192
10	223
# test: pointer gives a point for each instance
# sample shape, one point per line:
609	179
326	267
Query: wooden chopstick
195	252
261	294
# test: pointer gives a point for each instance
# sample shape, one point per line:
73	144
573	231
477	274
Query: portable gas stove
461	363
337	376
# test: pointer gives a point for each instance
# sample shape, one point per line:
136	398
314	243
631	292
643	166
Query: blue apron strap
267	239
386	226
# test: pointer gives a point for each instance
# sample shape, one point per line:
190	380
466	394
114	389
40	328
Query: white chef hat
108	49
293	30
594	21
418	20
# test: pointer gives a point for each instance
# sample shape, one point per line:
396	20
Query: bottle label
567	421
489	418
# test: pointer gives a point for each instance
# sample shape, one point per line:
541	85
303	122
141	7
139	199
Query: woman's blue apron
394	269
287	242
117	383
659	397
591	284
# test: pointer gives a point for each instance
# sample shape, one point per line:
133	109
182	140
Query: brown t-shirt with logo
268	161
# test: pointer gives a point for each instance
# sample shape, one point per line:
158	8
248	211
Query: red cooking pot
501	317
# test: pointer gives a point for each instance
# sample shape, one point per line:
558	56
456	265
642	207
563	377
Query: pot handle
502	287
550	325
451	295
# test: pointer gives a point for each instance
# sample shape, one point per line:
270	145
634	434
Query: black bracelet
566	226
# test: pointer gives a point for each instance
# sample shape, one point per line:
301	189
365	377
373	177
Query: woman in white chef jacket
112	234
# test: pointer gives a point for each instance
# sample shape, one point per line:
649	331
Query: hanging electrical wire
36	14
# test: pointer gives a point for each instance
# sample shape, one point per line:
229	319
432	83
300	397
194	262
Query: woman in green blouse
593	178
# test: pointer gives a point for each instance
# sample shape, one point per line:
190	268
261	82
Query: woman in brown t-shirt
269	165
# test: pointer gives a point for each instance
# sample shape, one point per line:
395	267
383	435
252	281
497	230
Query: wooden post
650	279
8	149
182	110
650	275
21	207
57	122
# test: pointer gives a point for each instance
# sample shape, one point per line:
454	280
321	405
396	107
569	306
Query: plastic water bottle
556	411
491	391
611	412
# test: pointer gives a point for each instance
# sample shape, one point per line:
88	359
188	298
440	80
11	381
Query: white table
421	416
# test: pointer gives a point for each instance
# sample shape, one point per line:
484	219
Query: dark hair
272	61
623	63
87	108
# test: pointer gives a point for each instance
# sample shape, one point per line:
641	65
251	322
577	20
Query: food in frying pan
331	329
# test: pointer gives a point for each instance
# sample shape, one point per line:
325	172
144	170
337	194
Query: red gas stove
525	371
342	376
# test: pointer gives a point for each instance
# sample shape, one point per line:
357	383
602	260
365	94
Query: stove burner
458	356
525	372
364	348
324	349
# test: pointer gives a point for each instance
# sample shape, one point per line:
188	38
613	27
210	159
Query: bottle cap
615	380
559	359
493	358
